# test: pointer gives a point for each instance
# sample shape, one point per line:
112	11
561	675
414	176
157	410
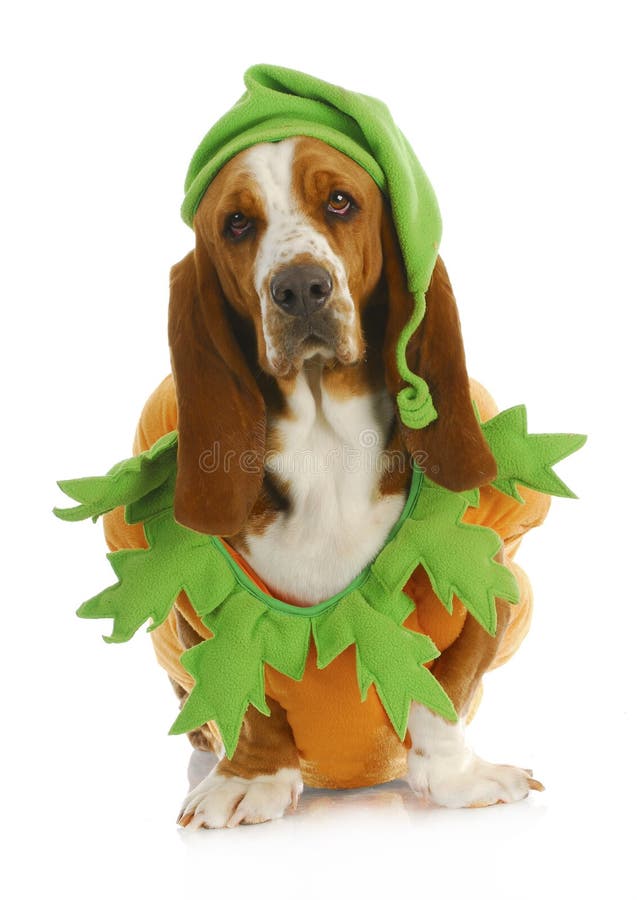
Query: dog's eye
340	203
237	225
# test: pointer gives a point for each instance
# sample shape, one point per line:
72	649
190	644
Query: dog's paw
223	802
467	780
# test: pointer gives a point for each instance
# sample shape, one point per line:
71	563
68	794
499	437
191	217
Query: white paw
223	802
461	780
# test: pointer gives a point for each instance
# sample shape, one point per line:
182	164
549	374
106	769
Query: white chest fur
332	460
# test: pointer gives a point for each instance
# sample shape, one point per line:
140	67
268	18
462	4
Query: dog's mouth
315	342
319	337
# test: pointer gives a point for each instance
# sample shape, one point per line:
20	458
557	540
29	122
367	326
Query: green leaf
525	458
394	604
125	483
228	672
286	641
457	556
387	655
155	501
229	667
151	579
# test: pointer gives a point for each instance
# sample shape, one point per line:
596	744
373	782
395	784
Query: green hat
281	103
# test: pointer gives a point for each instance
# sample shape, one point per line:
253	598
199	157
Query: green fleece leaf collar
252	629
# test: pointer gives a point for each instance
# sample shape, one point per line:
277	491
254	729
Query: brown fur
221	409
460	668
266	744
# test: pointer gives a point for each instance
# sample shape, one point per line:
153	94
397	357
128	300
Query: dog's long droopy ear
221	412
452	449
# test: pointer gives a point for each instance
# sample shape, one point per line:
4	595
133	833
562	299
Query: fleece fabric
281	103
375	640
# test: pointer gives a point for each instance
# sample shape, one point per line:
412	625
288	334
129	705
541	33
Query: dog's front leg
259	783
441	765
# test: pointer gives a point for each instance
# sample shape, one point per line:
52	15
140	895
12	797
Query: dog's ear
452	449
221	412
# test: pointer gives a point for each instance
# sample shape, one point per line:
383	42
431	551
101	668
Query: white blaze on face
289	233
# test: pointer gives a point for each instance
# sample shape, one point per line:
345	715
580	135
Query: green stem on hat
415	404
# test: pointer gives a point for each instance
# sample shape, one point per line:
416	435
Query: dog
283	324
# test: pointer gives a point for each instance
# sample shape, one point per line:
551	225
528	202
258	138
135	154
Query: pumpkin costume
346	670
347	732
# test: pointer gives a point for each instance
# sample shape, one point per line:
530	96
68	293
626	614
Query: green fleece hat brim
281	103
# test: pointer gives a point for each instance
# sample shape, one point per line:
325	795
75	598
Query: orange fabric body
343	742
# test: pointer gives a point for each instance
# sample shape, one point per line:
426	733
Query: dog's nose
301	290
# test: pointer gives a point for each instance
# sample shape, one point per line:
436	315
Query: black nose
301	290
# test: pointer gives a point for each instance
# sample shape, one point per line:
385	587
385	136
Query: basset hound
282	326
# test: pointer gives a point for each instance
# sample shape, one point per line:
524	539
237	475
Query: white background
523	115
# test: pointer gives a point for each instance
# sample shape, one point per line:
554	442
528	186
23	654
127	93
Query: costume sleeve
511	520
503	514
159	416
